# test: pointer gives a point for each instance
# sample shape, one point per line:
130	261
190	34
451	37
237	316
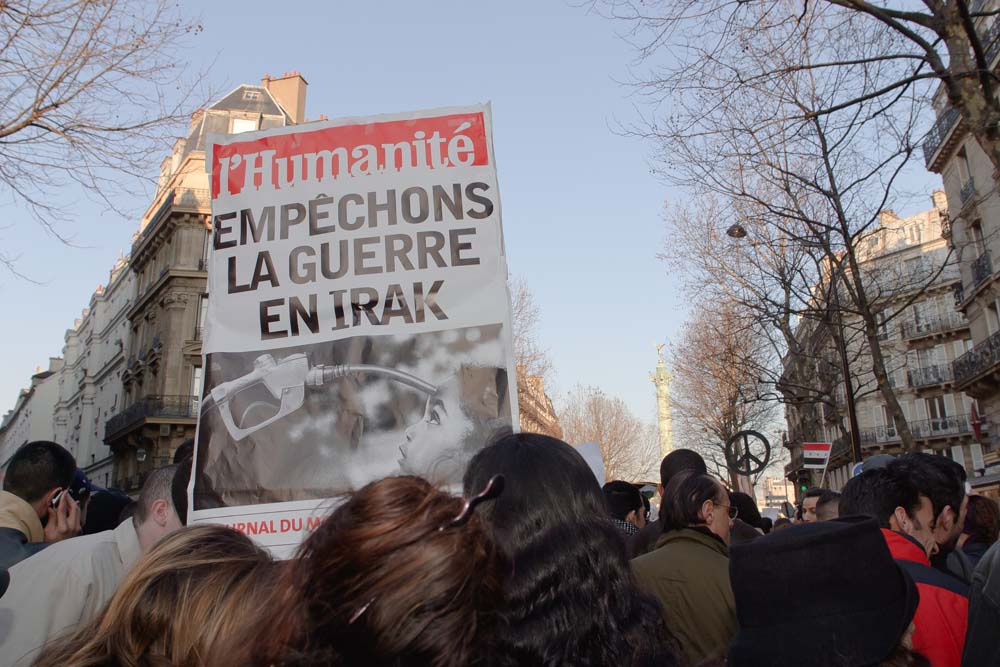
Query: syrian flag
815	455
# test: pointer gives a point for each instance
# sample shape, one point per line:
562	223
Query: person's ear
707	512
898	521
161	511
631	517
946	520
49	495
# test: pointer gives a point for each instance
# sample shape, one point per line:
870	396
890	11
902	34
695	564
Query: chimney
886	217
290	91
940	200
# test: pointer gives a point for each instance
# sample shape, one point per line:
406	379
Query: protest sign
358	315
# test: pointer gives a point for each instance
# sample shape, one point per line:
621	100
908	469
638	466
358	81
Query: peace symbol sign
742	458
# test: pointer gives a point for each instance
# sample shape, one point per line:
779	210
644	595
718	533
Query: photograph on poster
315	421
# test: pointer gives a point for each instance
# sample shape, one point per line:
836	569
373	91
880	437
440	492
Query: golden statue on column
661	378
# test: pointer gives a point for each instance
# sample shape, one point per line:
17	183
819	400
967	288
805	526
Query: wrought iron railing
181	406
949	322
982	268
879	434
931	375
968	189
944	124
978	360
930	428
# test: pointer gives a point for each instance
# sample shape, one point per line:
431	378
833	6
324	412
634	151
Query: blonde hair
193	589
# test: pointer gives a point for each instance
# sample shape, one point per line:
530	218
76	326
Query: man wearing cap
34	490
677	461
906	517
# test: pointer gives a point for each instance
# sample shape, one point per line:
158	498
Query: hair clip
494	488
361	611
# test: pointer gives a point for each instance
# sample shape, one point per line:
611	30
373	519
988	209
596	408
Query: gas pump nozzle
286	381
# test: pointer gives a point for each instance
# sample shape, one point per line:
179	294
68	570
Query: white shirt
61	586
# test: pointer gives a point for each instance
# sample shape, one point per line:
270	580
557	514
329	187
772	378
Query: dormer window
250	94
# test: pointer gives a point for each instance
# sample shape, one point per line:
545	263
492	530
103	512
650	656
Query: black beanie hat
821	594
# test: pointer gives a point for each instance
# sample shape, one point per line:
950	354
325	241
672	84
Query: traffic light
804	480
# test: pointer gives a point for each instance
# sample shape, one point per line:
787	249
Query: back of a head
37	468
877	493
681	460
982	521
197	587
747	508
386	579
570	598
549	483
621	499
828	505
158	486
937	477
683	498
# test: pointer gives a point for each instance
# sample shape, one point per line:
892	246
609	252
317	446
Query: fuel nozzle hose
320	375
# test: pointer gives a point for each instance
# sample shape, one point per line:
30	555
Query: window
958	456
914	233
244	125
250	94
964	168
883	326
196	381
936	412
890	425
978	240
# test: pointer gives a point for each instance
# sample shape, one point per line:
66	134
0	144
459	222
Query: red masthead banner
350	151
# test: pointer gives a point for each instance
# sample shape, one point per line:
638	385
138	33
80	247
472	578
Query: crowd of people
534	563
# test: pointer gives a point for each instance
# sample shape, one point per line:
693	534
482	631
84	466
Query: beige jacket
57	588
16	513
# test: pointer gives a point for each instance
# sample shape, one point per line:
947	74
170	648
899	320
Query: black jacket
981	646
14	547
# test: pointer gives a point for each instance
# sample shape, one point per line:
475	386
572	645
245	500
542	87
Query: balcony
941	427
927	429
942	128
982	269
931	376
958	292
151	407
977	362
938	325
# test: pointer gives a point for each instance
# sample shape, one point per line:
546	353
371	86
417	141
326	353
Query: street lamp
736	231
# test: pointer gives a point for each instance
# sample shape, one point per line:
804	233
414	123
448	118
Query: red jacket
943	611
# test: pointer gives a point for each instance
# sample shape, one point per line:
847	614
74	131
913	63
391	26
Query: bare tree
90	93
532	360
904	50
627	445
802	179
719	390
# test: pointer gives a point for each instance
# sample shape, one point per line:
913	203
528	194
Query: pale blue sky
582	213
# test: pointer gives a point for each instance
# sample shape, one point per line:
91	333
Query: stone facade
920	345
973	232
31	417
536	412
90	388
162	377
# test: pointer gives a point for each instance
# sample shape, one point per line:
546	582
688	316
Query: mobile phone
56	498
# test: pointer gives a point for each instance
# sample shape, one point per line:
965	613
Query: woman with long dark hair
569	596
400	574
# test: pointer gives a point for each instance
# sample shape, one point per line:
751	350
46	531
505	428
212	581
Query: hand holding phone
64	517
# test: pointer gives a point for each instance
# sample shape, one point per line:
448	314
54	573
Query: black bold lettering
431	300
389	208
367	306
263	271
231	271
430	244
266	319
221	229
423	209
457	246
315	215
291	214
349	225
397	247
338	308
393	296
361	256
454	203
301	273
297	311
470	191
256	229
324	261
